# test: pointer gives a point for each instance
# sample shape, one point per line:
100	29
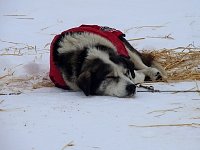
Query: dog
90	62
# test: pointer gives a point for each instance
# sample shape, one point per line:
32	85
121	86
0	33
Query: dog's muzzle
131	88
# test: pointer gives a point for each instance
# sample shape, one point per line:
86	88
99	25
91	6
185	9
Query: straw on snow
181	63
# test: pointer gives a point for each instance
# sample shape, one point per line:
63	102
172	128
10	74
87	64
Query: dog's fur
90	63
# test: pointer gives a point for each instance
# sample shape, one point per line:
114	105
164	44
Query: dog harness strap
110	34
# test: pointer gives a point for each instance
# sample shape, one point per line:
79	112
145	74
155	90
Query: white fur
151	72
95	53
139	77
117	88
79	41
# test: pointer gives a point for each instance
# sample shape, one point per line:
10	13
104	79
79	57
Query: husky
90	63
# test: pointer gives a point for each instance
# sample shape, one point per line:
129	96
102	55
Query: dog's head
103	77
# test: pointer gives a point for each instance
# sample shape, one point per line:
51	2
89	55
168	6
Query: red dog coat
110	34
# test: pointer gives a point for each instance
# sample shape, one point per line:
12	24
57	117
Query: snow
51	118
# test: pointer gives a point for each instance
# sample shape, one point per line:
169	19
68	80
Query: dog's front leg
150	72
139	77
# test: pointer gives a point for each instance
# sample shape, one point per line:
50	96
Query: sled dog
90	63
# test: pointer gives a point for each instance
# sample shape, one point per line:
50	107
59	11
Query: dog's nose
130	88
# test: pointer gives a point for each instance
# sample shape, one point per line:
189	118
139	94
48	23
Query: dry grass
181	63
12	85
44	83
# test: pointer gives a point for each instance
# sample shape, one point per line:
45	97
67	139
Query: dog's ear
129	65
84	82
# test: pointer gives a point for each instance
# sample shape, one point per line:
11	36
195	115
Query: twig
18	93
140	27
197	86
11	42
19	54
164	111
67	145
171	91
136	39
162	37
196	125
196	99
149	88
25	18
14	15
195	118
46	45
11	109
7	75
1	101
46	27
181	47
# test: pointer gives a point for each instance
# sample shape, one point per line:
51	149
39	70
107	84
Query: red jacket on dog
109	33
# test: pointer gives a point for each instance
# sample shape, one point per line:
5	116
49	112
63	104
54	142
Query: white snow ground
54	119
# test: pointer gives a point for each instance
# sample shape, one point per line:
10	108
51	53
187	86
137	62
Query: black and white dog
90	63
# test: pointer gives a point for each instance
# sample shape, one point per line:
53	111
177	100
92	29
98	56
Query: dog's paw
154	74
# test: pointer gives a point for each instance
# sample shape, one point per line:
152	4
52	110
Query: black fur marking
129	46
55	50
147	78
130	89
71	62
159	77
98	71
106	49
98	74
80	61
59	60
65	63
84	82
147	59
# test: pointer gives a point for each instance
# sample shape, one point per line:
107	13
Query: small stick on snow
68	145
11	93
151	89
196	125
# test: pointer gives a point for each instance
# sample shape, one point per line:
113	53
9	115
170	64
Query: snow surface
54	119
